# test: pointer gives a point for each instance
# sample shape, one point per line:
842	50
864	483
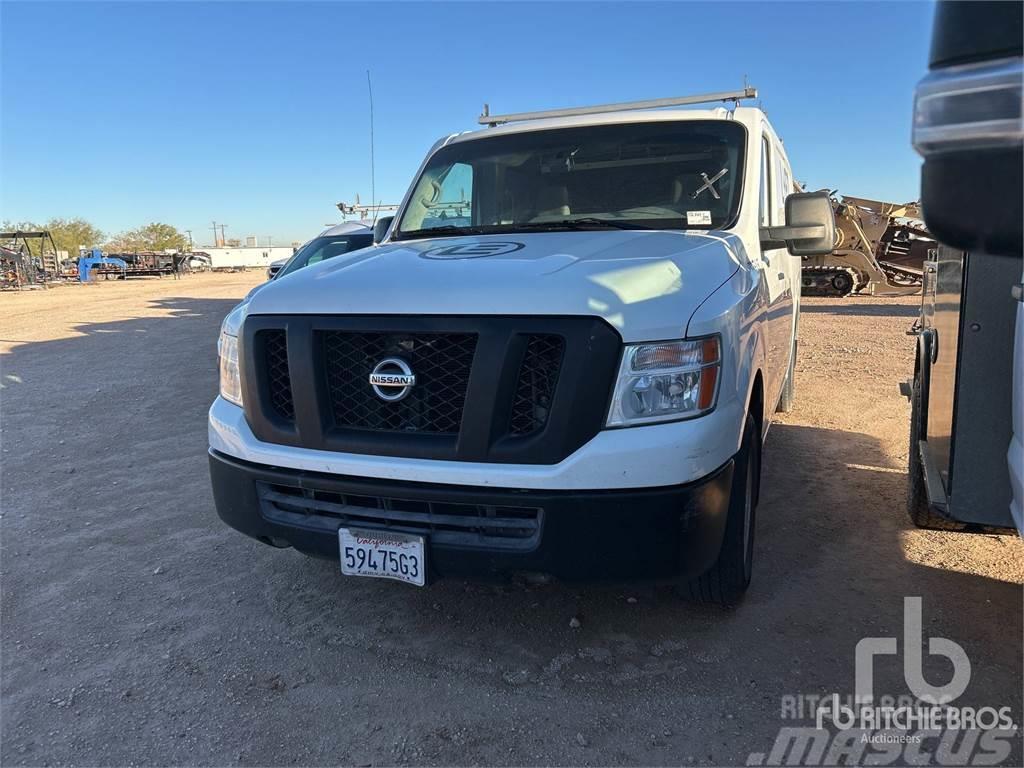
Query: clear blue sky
256	115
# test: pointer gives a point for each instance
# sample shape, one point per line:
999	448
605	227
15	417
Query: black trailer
967	394
962	392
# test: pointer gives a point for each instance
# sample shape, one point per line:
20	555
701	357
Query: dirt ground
139	629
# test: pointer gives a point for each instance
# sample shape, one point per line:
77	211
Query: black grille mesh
449	522
440	362
279	384
536	384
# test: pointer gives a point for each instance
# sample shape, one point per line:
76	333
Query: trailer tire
918	508
726	581
788	396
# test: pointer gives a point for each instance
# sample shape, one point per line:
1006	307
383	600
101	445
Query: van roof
348	228
746	115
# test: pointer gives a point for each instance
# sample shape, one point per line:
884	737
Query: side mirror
810	228
380	229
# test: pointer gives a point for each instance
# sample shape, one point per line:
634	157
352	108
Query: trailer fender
927	353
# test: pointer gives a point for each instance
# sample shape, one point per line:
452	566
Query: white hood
644	283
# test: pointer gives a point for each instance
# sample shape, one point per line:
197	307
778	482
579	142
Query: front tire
726	581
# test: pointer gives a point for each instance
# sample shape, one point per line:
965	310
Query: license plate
379	555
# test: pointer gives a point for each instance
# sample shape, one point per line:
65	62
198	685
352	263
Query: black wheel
788	396
842	283
725	582
920	512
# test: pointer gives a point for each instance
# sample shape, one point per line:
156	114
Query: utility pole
216	242
189	232
270	241
223	239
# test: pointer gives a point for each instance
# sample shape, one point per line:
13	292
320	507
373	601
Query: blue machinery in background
97	259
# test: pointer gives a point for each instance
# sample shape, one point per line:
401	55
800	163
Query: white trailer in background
245	257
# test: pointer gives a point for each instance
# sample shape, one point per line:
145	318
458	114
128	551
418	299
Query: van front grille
441	363
512	390
279	382
536	384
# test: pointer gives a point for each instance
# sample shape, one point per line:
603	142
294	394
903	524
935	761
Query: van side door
778	315
791	265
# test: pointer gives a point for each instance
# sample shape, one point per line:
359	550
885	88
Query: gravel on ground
138	629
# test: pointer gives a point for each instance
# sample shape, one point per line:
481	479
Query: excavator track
827	280
902	276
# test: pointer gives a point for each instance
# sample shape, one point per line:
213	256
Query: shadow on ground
854	306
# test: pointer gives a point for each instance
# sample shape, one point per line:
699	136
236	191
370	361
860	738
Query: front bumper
651	456
641	533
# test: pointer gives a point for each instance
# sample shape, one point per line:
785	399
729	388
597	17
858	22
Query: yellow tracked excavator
880	250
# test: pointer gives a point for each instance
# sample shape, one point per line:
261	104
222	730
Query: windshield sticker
696	218
709	184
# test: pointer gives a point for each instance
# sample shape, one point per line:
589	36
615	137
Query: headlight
972	106
230	381
666	381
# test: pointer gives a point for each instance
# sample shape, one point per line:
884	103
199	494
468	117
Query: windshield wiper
582	223
586	222
444	230
595	221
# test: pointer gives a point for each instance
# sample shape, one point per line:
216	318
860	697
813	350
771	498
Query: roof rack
487	118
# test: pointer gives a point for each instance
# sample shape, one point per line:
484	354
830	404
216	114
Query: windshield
327	247
663	175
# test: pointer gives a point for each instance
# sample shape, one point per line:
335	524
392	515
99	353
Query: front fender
736	310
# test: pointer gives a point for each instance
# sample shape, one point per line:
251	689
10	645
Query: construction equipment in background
15	268
880	250
25	263
90	267
153	264
120	266
28	258
146	264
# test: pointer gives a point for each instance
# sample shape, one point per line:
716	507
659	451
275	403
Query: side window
765	207
442	196
328	249
355	242
452	198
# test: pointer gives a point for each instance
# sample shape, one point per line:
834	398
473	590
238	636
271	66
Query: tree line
72	234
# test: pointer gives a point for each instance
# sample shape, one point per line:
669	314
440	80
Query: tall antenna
373	184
